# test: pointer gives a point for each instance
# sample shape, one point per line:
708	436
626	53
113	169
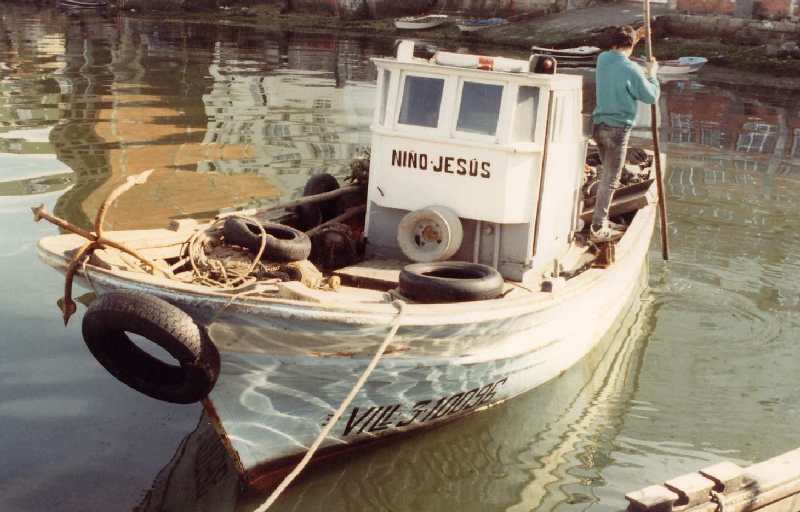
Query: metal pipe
496	255
350	212
476	245
542	170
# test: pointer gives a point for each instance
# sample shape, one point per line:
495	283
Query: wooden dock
769	486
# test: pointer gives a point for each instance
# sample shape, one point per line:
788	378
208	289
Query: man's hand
651	68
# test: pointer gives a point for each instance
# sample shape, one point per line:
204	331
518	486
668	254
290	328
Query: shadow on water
231	117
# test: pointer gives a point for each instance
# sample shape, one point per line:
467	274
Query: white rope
342	407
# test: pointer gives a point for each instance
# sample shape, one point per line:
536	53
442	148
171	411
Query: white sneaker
606	233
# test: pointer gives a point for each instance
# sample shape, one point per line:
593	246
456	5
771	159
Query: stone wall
359	9
729	28
764	9
503	7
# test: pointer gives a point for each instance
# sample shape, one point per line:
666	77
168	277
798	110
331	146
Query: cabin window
564	128
525	117
422	98
480	108
385	77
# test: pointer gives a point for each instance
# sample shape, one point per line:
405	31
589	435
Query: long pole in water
662	200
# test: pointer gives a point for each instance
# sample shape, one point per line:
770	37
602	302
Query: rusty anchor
96	240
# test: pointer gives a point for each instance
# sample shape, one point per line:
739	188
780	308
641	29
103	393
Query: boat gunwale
364	313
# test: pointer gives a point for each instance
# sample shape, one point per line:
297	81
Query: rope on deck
342	407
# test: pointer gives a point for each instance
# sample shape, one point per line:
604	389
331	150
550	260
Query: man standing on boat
620	83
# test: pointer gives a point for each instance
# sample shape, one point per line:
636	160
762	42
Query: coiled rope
342	407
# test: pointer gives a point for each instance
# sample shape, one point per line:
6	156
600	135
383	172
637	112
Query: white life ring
430	234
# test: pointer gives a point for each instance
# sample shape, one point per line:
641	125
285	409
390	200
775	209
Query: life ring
450	281
430	234
114	314
312	215
283	243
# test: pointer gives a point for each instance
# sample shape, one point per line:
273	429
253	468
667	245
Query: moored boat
581	56
680	66
480	24
472	247
83	4
421	22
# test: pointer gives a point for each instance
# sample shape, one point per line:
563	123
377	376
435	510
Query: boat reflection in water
514	458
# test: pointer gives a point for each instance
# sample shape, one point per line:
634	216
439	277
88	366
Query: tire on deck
114	314
283	243
312	215
450	281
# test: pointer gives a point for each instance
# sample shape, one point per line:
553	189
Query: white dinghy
421	22
679	66
474	206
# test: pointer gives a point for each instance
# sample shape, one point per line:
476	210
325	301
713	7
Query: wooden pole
662	200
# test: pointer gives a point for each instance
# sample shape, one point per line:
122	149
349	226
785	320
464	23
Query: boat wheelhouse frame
449	132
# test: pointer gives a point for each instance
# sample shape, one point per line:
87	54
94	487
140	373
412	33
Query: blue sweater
620	82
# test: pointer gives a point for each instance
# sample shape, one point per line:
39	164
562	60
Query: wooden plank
728	476
693	489
655	498
375	274
769	486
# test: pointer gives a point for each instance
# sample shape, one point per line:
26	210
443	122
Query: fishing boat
420	22
581	56
468	259
480	24
680	66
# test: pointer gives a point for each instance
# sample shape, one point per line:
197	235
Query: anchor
96	240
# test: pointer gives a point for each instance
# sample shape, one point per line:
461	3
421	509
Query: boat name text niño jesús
447	164
377	418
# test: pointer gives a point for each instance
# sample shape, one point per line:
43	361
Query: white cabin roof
555	81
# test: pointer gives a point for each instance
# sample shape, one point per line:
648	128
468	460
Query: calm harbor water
702	369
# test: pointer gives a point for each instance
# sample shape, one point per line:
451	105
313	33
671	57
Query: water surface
702	369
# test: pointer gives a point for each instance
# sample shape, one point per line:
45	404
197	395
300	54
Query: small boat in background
83	4
581	56
421	22
678	66
480	24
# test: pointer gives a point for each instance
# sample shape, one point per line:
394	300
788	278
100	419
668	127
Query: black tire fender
283	243
333	247
312	215
114	314
450	281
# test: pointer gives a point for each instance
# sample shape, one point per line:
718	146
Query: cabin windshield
422	99
525	114
480	108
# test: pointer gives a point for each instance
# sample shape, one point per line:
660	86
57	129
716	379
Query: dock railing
769	486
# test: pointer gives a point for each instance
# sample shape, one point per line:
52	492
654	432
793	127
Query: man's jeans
612	141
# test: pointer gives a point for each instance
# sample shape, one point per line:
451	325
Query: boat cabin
475	159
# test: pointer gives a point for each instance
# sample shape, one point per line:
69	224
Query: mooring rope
342	407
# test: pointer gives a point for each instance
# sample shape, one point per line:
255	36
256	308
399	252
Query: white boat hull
287	366
420	23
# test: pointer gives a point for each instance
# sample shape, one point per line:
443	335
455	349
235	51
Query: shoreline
751	63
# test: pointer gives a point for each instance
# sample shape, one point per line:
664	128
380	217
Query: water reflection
234	117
